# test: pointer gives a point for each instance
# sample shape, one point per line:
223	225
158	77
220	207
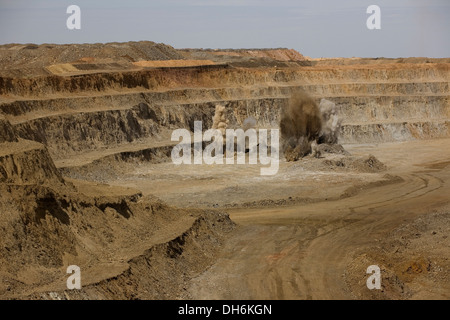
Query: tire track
313	244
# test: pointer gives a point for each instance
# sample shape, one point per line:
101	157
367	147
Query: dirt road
304	251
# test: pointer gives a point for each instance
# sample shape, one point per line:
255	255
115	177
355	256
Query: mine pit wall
113	109
391	132
357	96
33	166
7	133
217	76
78	132
392	108
23	161
366	119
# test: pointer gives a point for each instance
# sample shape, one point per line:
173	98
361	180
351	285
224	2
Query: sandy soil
321	250
311	231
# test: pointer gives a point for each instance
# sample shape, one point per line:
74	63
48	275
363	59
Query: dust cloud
220	121
300	125
304	126
249	123
331	124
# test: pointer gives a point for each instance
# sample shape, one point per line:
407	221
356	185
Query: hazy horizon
327	28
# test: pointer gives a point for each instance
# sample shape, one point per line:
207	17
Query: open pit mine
87	176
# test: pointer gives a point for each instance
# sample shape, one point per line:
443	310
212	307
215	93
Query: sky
315	28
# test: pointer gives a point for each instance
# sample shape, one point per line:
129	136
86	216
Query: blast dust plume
249	123
300	125
220	121
331	124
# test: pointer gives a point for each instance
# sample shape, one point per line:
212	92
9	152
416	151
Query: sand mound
31	60
366	164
